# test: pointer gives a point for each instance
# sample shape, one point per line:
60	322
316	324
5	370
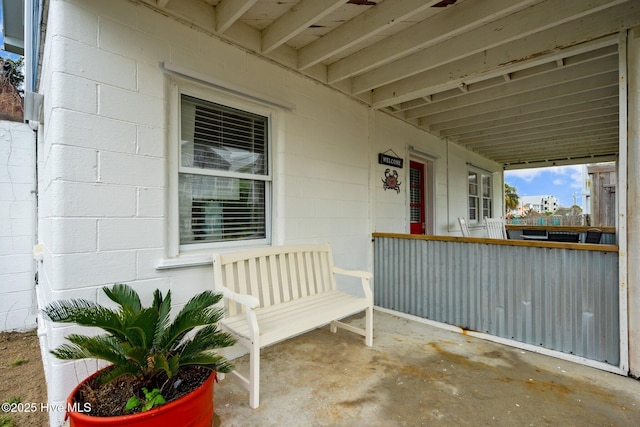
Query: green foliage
17	399
7	421
511	197
152	399
16	76
142	341
19	362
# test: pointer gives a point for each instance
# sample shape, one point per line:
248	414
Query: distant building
540	204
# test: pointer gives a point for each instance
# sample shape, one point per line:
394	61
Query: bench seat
277	323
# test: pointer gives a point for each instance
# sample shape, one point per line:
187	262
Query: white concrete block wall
106	158
17	226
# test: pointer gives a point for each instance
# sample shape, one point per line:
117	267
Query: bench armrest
365	277
246	300
355	273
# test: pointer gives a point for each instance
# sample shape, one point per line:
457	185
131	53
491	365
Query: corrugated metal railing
548	295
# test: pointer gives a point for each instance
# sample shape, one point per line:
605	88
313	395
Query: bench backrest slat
276	274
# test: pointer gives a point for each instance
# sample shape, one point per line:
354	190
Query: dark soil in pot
107	400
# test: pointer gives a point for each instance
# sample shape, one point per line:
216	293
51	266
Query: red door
416	196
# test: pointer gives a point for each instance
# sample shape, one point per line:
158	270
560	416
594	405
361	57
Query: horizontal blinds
216	209
222	138
222	208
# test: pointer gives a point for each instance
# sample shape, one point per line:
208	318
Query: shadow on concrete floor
419	375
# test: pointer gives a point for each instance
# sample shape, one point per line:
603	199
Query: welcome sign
386	159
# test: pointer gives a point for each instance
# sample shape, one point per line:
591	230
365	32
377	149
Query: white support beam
525	133
628	198
543	95
450	22
540	119
229	11
374	21
608	127
516	87
483	65
296	20
543	19
566	162
571	103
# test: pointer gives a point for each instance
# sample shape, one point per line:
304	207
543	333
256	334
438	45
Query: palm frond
85	313
191	316
206	338
124	296
142	327
140	355
208	360
103	347
185	322
120	370
163	308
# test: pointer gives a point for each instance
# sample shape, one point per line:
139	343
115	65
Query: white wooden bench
275	293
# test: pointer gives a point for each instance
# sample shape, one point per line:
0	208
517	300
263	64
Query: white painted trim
621	226
510	343
190	74
414	150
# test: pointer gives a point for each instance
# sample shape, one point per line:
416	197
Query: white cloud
573	172
525	174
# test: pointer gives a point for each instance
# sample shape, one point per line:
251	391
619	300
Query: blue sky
559	181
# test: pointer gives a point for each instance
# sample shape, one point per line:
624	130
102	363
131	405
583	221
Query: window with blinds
224	180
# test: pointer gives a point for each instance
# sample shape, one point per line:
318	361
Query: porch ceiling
523	82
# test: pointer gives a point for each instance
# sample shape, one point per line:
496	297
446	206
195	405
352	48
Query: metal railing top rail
507	242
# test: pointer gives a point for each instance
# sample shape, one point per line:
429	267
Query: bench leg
369	327
254	376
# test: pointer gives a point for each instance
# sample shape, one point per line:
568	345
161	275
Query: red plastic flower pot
193	410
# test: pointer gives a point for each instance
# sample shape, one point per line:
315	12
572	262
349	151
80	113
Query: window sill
182	261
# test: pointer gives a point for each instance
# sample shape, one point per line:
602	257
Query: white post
629	130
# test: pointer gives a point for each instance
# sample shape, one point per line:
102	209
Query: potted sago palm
161	372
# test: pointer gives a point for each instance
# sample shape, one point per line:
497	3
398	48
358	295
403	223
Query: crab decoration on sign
390	181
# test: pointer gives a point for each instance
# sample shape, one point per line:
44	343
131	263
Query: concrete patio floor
420	375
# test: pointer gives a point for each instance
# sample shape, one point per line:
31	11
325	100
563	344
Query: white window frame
178	87
480	197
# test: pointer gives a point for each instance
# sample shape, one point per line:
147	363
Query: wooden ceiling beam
555	24
534	120
375	20
543	129
544	95
229	11
296	20
446	24
517	87
606	96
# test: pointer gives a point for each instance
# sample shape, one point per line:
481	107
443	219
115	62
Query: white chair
495	228
463	227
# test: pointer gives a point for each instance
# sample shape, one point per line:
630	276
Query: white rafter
229	11
299	18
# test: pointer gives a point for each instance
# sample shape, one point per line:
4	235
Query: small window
486	196
224	183
473	196
480	197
